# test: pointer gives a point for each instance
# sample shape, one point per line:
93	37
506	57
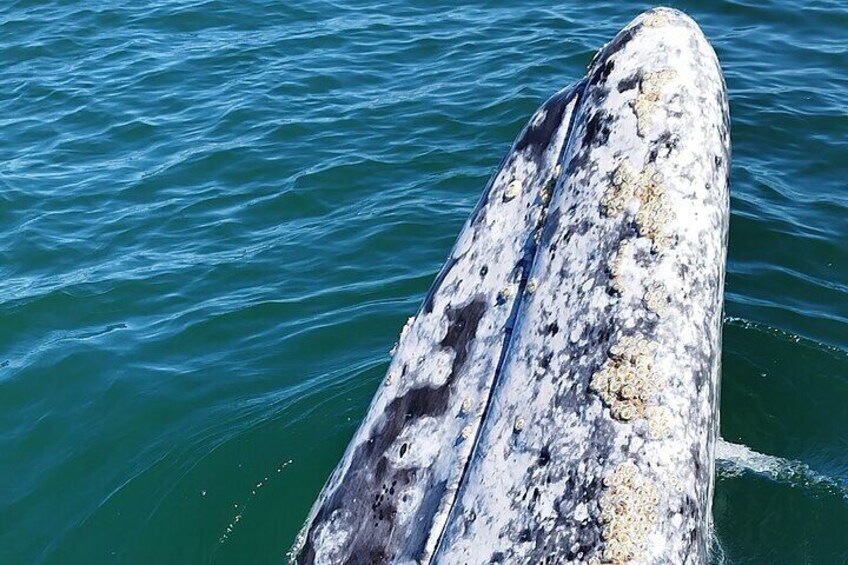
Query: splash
240	508
734	460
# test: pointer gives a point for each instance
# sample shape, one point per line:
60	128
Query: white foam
734	460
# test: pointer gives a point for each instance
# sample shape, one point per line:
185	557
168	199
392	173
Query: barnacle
627	381
656	298
659	421
657	18
406	326
624	189
655	213
629	512
466	406
512	190
650	91
519	424
647	188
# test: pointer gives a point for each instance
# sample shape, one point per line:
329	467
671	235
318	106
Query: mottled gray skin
556	398
388	499
569	468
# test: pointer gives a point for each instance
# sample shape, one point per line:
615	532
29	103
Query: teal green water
216	216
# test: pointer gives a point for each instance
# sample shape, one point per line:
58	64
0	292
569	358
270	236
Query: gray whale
555	400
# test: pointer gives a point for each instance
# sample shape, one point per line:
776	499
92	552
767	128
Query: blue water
216	216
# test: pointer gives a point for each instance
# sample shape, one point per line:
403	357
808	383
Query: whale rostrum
555	400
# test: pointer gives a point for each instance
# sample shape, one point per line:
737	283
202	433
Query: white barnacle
390	378
532	285
545	197
406	326
519	424
467	431
513	189
467	405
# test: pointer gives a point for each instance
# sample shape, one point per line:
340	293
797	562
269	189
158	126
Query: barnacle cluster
655	213
659	421
629	512
650	91
647	188
627	380
657	18
656	298
625	183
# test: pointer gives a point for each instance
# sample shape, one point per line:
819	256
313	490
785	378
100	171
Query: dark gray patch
597	129
630	82
603	72
544	456
551	227
462	331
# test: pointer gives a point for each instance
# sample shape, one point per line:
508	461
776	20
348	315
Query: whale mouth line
573	97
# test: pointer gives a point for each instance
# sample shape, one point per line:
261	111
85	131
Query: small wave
784	335
734	460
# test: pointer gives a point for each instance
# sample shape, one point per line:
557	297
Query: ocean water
215	218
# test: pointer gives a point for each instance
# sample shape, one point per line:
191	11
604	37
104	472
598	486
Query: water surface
215	218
